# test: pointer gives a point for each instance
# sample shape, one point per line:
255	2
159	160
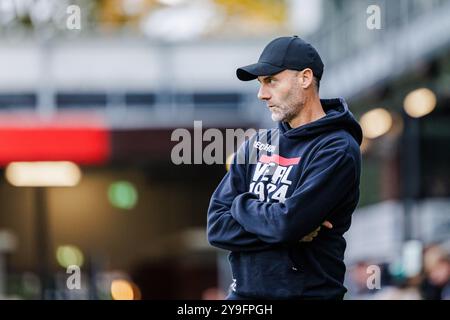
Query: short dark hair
316	83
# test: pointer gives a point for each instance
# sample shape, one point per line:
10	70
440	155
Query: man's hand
312	235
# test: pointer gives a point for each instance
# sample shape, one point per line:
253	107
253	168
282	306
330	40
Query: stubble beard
287	112
283	114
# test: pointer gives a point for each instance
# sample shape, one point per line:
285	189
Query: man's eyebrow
264	78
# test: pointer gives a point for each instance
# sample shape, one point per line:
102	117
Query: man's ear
307	78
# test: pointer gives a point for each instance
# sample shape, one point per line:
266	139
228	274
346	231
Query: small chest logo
264	146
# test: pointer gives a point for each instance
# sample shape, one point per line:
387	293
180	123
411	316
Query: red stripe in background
80	145
83	138
279	160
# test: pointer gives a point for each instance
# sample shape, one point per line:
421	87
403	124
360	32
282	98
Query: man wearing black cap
268	209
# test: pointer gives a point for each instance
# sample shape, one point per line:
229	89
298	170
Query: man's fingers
327	224
310	237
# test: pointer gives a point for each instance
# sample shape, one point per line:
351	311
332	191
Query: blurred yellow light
136	292
43	174
229	161
419	103
69	256
122	290
375	123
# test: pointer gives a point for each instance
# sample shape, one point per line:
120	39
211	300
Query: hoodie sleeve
223	230
328	179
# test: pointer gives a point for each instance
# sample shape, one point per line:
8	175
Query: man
268	212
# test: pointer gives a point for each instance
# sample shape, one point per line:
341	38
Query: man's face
283	94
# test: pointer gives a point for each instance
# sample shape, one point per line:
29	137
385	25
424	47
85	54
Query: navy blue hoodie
282	185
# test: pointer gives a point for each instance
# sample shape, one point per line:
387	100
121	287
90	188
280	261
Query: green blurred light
123	195
69	255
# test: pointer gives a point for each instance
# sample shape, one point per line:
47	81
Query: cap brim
253	71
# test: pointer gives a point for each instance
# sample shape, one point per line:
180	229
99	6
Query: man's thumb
327	224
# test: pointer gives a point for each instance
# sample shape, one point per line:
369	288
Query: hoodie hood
338	117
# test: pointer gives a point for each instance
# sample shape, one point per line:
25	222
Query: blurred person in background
436	284
307	175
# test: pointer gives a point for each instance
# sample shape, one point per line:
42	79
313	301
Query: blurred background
90	92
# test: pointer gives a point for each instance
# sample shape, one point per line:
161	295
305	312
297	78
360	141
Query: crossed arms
239	221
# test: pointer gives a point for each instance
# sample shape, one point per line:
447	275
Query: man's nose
263	94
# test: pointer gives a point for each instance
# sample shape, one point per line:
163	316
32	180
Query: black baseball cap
283	53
